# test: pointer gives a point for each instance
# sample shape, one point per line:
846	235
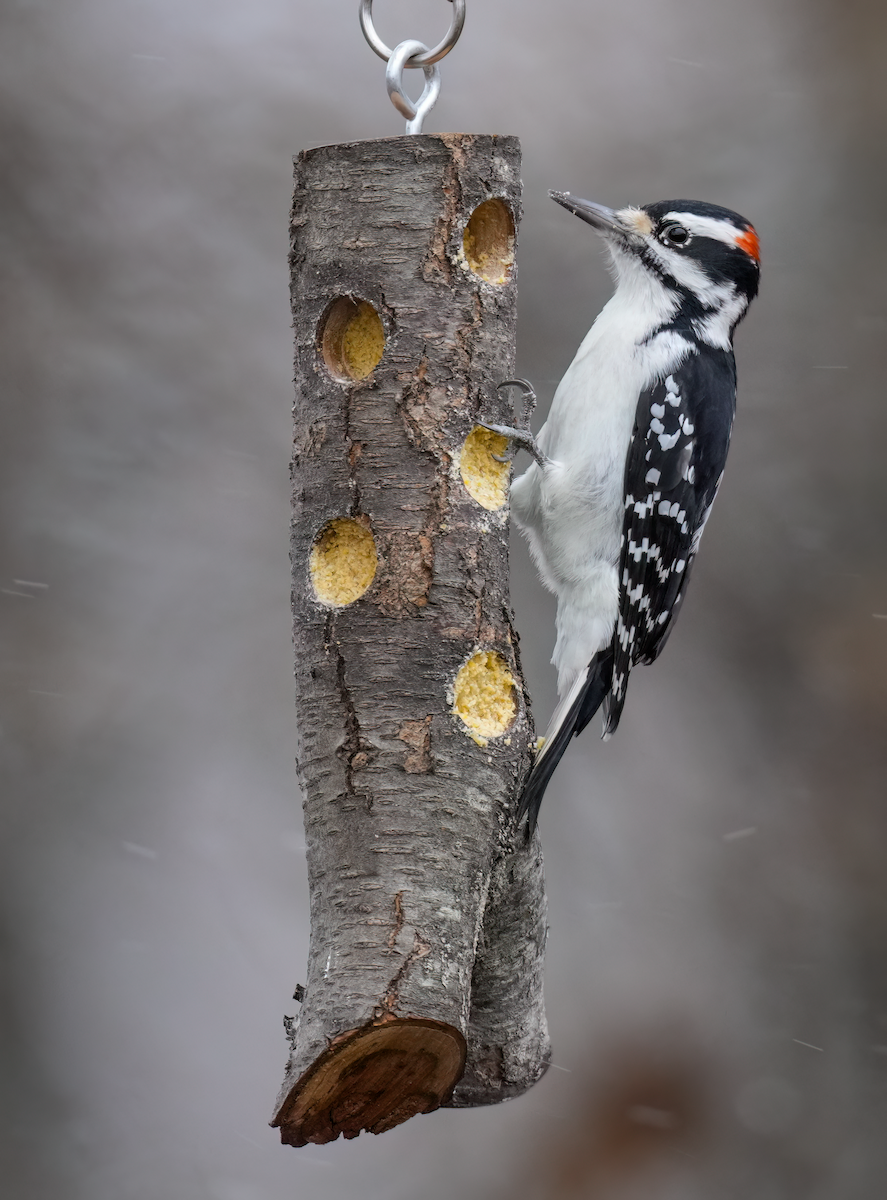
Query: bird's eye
675	235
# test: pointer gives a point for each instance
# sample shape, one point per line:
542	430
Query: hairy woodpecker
629	462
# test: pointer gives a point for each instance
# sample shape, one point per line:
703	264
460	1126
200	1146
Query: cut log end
372	1079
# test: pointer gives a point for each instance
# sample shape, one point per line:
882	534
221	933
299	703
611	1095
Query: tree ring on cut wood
372	1079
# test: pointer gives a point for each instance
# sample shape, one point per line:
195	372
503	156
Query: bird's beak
602	219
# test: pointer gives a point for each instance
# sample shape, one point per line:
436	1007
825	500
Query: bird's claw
529	397
520	438
512	435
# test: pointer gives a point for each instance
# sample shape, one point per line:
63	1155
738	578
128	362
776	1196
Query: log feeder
428	915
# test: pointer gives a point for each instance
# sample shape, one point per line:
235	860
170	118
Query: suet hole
488	241
484	696
352	338
485	479
343	562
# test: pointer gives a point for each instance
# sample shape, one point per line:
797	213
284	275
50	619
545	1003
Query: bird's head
707	255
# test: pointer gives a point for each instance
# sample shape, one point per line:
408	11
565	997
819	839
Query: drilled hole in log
484	696
488	241
374	1078
485	479
343	562
352	339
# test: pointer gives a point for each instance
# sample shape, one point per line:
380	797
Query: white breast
572	509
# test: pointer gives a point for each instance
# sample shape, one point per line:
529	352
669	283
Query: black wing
673	470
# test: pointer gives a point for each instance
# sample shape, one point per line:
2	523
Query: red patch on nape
748	241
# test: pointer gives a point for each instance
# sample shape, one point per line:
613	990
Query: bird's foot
521	438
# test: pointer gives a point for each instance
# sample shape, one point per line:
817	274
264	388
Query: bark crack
398	920
355	452
420	949
355	752
451	188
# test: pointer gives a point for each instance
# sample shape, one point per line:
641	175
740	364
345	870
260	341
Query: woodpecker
629	462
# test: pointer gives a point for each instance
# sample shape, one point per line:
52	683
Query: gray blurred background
716	982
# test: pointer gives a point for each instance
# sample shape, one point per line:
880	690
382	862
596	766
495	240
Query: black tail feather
612	714
597	685
600	672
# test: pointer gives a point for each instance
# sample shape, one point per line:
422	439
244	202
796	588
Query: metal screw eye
426	57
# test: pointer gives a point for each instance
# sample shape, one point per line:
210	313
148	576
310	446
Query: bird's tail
570	718
613	707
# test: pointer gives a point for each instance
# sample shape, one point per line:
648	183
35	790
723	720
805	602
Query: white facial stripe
718	326
684	271
726	303
721	231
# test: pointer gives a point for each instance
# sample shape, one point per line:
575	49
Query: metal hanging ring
429	57
415	113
